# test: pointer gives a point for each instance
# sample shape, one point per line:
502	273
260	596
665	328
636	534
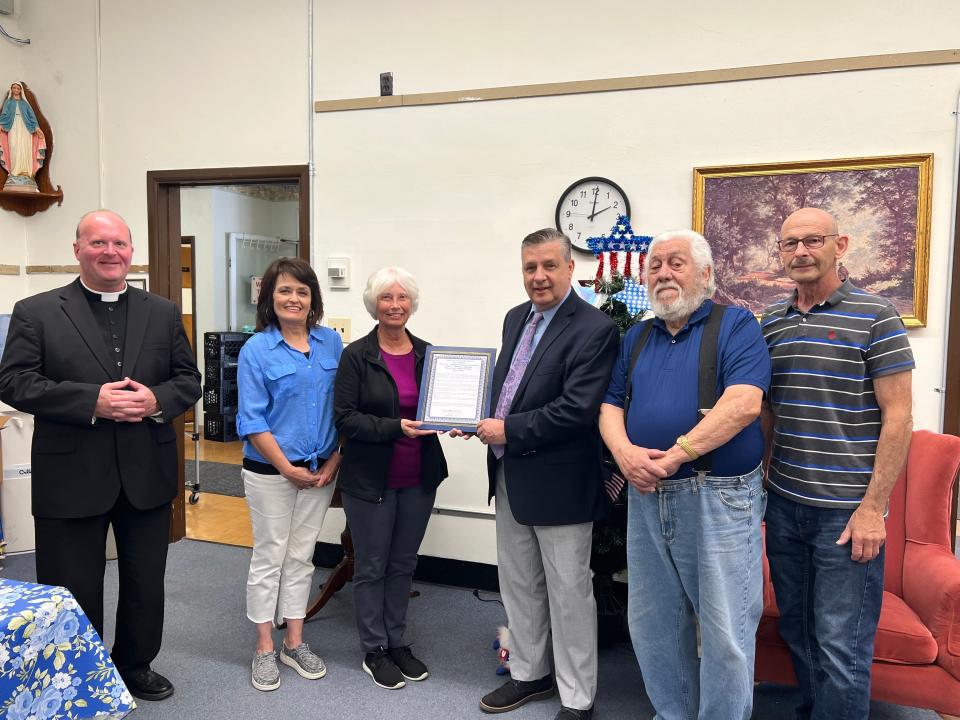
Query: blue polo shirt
666	381
284	392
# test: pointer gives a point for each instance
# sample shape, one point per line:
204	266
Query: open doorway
228	223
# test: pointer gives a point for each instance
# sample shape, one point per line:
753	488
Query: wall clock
588	208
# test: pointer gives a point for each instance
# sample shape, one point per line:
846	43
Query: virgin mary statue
23	147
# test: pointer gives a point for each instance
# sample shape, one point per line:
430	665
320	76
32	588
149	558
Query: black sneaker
380	667
515	693
409	666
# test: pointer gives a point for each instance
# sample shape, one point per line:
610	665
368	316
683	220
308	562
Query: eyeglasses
810	243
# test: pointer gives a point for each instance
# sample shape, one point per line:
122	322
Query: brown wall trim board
74	269
646	82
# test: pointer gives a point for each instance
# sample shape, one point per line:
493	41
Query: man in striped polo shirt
840	398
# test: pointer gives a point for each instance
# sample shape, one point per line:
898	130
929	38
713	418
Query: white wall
449	191
433	46
200	84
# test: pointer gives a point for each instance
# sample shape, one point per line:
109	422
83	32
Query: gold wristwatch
686	447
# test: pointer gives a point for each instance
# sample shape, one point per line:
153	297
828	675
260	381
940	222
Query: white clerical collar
106	296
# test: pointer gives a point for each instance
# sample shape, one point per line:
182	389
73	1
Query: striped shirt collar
838	296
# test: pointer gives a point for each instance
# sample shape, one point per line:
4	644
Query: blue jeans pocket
736	498
739	493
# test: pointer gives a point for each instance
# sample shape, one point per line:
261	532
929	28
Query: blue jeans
694	551
829	607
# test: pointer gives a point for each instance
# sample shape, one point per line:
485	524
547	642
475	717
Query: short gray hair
549	235
699	249
384	278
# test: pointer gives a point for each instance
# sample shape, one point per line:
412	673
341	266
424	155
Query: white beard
681	308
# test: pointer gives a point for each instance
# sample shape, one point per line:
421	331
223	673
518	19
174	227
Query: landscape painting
881	203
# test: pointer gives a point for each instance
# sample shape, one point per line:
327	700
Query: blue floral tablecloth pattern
52	662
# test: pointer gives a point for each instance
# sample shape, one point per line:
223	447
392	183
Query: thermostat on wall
338	272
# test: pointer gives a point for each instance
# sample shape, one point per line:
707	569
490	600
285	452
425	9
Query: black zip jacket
366	408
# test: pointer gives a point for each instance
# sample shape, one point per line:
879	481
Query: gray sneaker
266	674
304	660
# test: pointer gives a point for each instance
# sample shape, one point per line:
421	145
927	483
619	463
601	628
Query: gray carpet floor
208	644
216	478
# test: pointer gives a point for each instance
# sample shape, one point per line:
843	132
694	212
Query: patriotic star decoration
621	239
634	296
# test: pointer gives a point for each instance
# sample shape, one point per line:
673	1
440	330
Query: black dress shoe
514	693
572	714
148	685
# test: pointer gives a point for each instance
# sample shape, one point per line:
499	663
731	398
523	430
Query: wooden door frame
193	286
163	237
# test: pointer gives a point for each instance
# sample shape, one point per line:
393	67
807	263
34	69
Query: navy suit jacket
552	455
54	363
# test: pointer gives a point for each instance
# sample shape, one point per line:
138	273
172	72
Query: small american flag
613	481
614	484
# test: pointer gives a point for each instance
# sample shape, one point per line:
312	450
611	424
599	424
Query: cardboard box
16	434
16	437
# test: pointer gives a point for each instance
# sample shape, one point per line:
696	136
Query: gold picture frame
881	203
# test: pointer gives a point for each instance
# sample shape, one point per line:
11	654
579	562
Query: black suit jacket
552	455
54	363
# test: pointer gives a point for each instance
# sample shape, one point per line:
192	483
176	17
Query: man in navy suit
543	462
104	368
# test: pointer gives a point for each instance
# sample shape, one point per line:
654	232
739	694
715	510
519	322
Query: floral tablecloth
52	662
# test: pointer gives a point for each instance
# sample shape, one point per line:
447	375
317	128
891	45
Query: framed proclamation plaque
455	389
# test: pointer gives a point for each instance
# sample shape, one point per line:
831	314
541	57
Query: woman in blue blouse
290	458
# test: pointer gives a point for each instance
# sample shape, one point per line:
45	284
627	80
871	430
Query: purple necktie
517	367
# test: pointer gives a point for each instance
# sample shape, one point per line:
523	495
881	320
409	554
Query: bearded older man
696	494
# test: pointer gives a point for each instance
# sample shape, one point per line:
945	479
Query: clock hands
593	210
597	212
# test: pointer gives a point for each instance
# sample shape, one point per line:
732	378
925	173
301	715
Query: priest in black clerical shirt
104	368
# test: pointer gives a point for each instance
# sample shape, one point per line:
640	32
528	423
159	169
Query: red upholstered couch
917	651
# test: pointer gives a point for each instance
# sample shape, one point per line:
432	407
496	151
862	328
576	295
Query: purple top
405	466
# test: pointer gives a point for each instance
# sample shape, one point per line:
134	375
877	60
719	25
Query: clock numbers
588	208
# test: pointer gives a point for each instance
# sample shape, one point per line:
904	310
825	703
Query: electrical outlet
386	83
342	326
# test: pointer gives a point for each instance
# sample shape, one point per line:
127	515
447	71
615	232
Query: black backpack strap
634	354
707	394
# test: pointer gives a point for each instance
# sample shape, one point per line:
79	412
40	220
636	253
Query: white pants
286	523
